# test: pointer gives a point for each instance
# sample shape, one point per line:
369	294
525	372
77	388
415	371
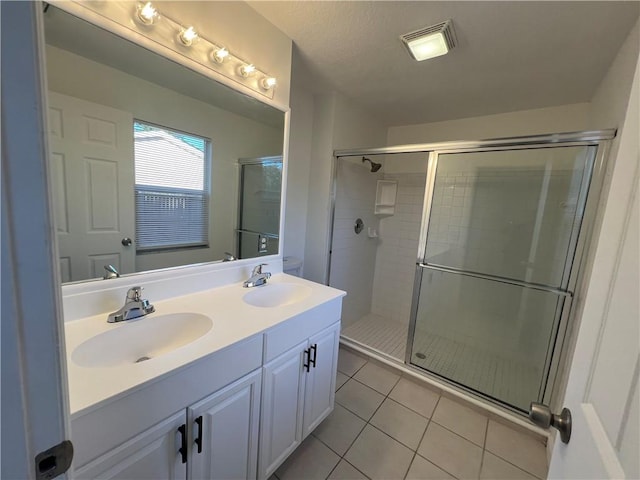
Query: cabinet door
152	455
225	425
283	381
321	379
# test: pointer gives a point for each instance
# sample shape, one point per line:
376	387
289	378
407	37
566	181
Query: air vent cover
430	41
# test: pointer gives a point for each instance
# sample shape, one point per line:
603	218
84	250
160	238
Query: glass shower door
494	279
259	209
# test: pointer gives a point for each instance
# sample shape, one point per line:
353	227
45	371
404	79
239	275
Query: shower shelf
386	193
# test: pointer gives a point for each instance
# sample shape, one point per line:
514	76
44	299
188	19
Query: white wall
299	166
337	123
566	118
232	137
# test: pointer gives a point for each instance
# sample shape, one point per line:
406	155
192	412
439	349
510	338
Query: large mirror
153	164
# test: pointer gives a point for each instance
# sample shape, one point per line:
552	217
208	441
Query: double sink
155	335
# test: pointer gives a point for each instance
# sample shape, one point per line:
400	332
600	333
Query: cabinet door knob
182	429
199	437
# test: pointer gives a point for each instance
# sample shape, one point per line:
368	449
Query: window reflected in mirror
146	158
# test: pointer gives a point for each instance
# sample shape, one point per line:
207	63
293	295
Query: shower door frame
591	188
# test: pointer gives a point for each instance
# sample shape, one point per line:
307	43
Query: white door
283	381
224	430
602	390
92	170
321	380
152	455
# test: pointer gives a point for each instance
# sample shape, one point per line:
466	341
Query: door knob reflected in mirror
541	415
126	241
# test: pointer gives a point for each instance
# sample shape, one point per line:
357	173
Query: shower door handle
541	415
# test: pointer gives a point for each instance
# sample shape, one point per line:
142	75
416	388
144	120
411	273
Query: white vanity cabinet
235	413
153	454
224	432
298	392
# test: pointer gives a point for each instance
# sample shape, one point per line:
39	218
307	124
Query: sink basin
276	294
136	341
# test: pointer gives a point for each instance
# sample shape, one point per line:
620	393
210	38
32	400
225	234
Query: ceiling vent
431	41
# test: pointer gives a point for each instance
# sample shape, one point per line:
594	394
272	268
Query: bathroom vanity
231	394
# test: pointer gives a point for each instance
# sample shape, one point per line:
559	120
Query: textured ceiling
510	55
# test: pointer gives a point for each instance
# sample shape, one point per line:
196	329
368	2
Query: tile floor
514	382
387	427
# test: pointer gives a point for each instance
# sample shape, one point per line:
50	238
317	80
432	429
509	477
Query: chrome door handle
541	415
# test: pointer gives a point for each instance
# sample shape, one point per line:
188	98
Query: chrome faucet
134	306
111	272
258	277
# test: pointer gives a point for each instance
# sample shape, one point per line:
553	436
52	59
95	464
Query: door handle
198	440
126	241
541	415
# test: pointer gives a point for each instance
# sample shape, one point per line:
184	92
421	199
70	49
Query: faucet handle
257	270
134	293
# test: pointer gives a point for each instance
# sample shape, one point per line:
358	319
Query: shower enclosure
469	274
259	206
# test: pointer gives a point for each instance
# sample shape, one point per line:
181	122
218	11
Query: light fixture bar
221	60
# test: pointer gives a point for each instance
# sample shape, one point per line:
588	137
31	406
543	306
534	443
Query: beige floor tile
346	471
379	456
339	429
494	468
341	379
461	420
518	448
378	378
311	460
451	452
399	422
360	399
422	469
349	363
414	396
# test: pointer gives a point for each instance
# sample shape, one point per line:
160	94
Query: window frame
208	160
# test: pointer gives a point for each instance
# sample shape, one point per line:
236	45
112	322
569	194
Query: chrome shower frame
591	190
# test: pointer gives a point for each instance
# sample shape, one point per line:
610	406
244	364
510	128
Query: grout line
423	435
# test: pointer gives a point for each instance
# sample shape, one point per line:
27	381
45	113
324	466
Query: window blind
171	188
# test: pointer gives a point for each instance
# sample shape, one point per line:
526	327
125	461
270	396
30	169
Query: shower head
374	166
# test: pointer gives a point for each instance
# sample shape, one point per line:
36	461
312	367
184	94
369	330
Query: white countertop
233	320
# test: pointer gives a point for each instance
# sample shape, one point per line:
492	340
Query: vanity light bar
147	15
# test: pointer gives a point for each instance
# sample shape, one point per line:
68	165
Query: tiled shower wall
353	257
395	261
483	221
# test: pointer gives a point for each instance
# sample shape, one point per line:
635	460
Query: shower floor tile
503	378
381	334
510	381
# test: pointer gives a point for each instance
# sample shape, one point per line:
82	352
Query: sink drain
421	355
142	359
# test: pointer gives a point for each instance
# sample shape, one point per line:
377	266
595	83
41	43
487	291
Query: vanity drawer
288	334
99	430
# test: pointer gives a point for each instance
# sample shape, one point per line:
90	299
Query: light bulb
220	54
268	83
247	70
147	13
187	36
